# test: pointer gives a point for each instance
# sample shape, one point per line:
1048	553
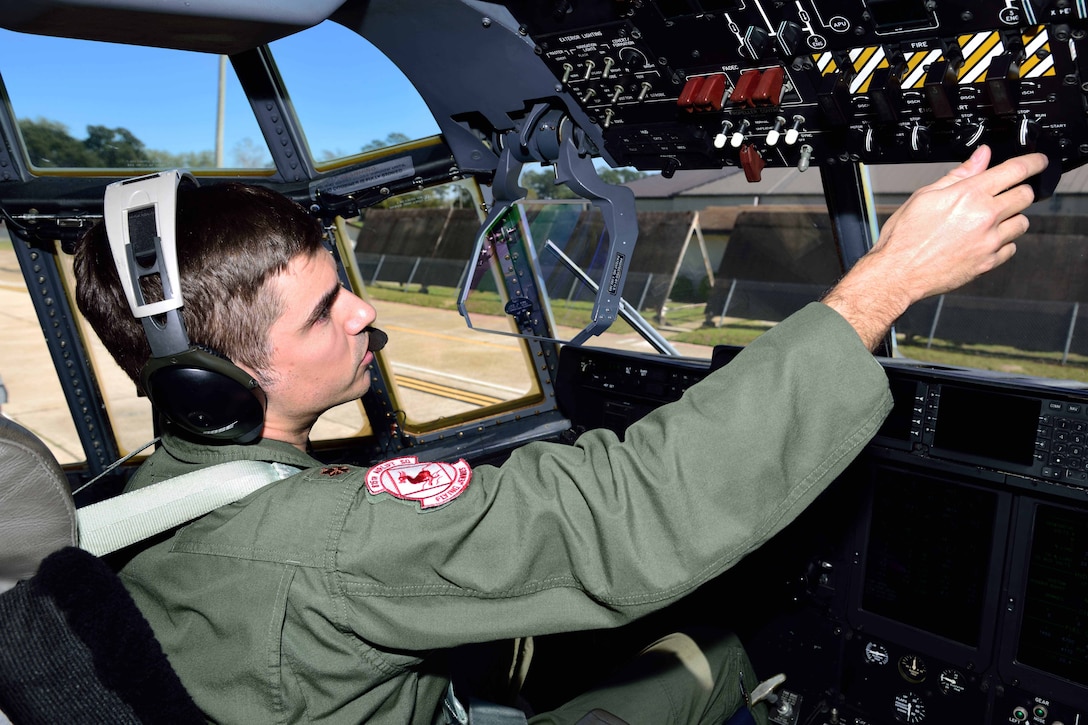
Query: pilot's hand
947	234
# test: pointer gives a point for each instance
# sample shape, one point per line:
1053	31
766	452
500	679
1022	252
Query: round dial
909	708
951	682
876	654
912	668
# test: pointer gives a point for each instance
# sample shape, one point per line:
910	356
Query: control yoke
549	136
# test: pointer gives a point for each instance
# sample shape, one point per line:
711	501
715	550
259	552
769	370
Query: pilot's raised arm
334	593
945	235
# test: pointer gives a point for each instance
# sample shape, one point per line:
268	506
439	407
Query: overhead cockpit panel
679	85
702	84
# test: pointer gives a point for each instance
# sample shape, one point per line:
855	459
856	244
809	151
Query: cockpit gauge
951	681
876	654
909	708
912	668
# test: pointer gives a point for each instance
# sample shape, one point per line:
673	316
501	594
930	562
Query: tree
620	176
49	145
115	148
541	185
392	139
249	155
184	160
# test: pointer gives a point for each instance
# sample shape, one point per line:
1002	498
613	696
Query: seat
73	645
36	507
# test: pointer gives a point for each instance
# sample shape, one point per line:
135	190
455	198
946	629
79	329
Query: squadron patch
429	484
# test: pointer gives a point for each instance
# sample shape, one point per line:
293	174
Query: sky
345	92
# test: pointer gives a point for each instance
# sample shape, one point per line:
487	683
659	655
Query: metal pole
645	290
381	261
936	318
412	274
221	112
728	299
1069	334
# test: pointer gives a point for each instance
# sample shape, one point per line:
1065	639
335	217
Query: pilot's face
319	350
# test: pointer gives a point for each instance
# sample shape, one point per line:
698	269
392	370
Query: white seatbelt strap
122	520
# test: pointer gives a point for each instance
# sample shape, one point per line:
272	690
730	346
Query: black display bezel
1032	676
976	655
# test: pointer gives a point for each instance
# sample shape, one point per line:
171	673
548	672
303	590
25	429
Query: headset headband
140	219
195	389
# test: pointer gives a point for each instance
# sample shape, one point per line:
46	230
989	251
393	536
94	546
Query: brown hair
231	239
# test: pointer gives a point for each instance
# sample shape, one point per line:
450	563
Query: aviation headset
194	388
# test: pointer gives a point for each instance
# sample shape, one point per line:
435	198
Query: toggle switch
752	163
795	130
740	133
723	136
776	131
806	158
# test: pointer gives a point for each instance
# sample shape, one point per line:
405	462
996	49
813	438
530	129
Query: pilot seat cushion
37	515
75	649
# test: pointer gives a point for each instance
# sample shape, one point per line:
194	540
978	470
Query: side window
411	254
173	109
34	396
344	118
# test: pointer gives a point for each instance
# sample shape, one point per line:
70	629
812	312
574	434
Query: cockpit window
83	104
1024	318
717	262
351	101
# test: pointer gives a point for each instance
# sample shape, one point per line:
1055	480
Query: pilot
335	594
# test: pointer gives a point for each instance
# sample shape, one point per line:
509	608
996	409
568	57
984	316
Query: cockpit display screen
987	425
929	554
1054	629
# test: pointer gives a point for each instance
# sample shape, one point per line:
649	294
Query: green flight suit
320	599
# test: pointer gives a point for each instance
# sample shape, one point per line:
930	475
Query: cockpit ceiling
198	25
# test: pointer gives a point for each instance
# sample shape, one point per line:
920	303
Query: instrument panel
942	577
690	84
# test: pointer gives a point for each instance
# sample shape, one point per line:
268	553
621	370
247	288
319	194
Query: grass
1000	358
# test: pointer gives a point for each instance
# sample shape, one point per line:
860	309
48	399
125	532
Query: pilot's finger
1011	228
974	165
1014	201
1011	173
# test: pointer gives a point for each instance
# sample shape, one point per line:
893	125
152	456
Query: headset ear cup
206	395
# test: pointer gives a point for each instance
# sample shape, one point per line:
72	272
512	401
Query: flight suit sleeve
601	532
